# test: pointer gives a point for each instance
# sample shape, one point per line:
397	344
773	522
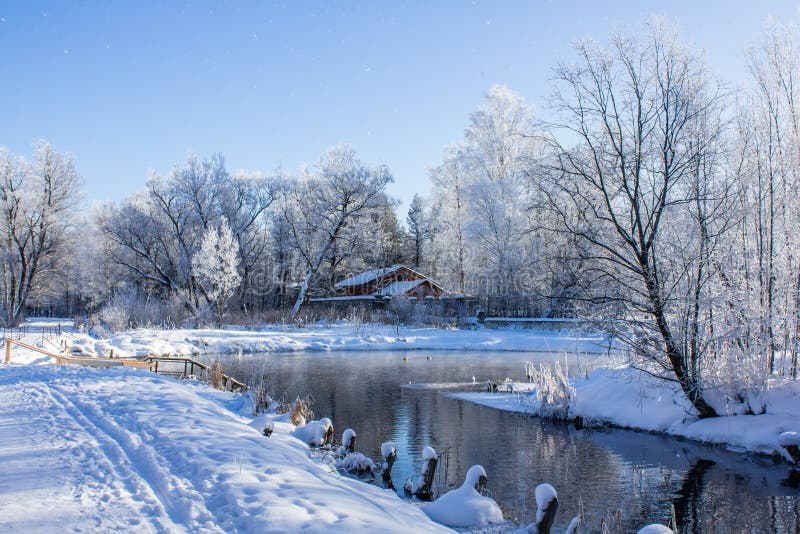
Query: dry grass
215	375
261	396
300	410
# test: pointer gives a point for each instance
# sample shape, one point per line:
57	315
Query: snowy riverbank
340	336
126	450
628	398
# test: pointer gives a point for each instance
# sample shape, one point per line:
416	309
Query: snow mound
655	529
465	507
314	433
787	439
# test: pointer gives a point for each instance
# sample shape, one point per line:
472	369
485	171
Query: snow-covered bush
260	396
401	310
355	463
132	308
553	391
216	266
114	316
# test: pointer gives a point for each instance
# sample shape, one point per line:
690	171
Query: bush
132	308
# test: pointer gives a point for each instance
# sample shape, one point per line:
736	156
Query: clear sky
133	86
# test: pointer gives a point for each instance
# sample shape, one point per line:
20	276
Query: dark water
648	477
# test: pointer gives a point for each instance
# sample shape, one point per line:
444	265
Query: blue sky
133	86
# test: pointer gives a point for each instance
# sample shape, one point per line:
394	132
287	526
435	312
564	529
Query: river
402	397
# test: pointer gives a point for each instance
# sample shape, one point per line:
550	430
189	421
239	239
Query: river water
403	397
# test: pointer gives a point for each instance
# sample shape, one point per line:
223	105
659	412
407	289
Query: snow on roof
398	288
367	276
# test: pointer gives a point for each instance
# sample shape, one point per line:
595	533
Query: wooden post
8	349
424	492
543	525
386	470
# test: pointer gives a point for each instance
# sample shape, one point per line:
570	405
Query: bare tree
35	202
630	187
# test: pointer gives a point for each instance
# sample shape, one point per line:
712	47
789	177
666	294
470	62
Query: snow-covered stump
546	506
790	443
315	433
425	483
349	440
389	453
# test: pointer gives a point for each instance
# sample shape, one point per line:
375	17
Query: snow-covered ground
100	450
344	336
629	398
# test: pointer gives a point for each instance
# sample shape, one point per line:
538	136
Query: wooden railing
67	358
150	363
189	365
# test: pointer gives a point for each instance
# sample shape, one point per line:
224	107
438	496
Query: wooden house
397	280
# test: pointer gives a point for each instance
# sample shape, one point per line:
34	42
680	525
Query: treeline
655	194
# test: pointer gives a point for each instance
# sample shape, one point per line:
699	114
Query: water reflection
650	478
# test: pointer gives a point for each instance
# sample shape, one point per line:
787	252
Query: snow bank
273	338
629	398
126	450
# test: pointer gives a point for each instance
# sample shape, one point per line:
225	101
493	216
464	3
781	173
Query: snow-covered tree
216	266
416	229
157	232
637	188
36	200
321	206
